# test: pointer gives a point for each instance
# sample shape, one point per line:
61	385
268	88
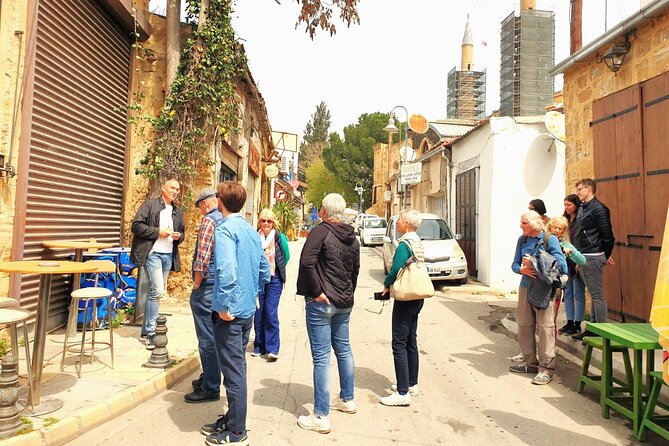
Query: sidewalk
103	393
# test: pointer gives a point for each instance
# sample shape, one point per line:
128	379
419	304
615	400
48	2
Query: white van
444	258
373	230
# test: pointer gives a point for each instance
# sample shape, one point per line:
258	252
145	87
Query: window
434	229
375	223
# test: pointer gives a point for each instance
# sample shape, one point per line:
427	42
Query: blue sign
314	214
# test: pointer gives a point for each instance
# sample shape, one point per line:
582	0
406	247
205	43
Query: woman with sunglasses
266	321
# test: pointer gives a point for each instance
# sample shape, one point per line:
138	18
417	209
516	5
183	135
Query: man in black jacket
593	237
157	228
328	275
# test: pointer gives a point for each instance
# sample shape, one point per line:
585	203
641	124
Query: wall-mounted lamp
615	56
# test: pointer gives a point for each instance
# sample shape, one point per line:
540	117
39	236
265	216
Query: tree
351	160
314	138
321	182
318	14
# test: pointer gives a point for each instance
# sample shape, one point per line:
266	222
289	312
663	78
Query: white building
497	168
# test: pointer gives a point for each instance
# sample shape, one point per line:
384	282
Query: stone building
617	126
70	71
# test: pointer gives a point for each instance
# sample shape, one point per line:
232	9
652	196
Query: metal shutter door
78	136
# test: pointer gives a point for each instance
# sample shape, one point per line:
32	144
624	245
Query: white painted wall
518	161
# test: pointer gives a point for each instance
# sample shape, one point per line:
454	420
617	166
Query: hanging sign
411	173
271	171
280	194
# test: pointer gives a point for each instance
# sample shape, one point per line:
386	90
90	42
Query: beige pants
533	322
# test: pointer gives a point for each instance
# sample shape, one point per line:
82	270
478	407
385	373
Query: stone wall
587	81
13	15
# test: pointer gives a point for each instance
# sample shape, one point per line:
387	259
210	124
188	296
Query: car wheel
463	281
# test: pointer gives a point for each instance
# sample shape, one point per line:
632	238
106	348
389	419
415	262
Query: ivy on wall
201	106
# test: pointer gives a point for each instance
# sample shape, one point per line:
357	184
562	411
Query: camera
381	296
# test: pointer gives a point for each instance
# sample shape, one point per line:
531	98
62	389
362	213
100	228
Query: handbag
412	282
542	288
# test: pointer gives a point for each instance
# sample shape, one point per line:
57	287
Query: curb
90	417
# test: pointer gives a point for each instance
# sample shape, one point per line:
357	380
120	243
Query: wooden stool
90	295
650	420
12	317
595	381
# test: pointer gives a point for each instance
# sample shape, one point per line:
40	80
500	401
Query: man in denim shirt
242	270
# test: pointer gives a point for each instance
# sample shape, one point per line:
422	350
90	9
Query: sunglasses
266	221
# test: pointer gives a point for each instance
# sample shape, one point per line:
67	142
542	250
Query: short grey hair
534	219
411	217
334	205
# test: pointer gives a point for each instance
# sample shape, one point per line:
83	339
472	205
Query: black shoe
522	368
215	428
198	396
583	334
572	330
197	383
566	327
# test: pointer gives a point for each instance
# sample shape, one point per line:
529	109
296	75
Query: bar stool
595	381
90	295
657	423
12	316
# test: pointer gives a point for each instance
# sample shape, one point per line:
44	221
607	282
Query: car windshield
434	229
375	223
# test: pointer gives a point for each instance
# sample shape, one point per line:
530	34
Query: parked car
357	224
373	230
444	258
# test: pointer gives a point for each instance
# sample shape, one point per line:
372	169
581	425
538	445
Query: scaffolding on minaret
465	87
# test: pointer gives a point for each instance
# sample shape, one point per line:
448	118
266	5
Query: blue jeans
328	325
200	305
154	272
231	339
574	299
266	321
405	343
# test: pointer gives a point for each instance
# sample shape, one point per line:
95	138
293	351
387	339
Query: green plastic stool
595	381
650	420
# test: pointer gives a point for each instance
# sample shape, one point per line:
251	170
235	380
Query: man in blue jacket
242	270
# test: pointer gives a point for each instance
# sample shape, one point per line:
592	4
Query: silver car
444	258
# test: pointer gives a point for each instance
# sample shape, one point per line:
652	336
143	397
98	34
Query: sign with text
411	173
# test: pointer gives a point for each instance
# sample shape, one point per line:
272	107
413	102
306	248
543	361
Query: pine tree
314	139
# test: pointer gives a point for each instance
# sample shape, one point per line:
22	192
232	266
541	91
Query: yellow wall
585	82
13	15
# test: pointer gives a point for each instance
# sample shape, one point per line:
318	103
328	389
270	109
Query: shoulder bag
412	282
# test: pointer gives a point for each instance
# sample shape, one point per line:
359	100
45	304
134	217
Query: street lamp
359	189
390	128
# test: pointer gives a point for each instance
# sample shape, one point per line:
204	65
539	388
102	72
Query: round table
45	268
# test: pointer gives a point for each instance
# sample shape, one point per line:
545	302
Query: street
467	395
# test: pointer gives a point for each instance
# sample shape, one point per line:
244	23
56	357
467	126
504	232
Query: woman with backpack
538	358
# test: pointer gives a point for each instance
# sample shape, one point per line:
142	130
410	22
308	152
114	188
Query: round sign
280	194
294	183
271	171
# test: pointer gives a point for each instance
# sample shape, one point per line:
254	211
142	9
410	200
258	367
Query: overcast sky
400	54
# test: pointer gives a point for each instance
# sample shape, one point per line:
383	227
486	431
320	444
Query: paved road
467	395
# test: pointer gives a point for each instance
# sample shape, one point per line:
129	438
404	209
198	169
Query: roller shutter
78	136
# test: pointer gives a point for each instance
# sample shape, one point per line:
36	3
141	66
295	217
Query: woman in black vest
266	321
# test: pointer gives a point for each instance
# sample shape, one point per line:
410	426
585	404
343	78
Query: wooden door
632	172
465	216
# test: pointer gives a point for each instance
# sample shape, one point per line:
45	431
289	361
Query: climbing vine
201	106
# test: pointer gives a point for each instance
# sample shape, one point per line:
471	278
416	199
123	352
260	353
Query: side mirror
386	239
458	236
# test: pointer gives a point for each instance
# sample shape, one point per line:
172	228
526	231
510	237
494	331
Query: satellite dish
418	124
407	153
554	122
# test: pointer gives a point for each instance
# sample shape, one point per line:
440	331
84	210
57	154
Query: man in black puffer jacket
593	237
328	275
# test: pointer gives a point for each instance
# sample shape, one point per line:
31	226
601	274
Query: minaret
467	62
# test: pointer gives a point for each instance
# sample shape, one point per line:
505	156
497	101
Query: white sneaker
314	423
518	359
396	400
413	390
343	406
271	357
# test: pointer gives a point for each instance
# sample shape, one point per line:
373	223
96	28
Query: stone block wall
587	81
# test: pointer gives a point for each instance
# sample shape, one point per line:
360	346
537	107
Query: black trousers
405	345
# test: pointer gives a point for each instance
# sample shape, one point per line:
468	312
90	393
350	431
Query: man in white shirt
157	228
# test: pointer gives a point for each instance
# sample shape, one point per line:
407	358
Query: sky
399	54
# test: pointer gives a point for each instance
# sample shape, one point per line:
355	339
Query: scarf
269	246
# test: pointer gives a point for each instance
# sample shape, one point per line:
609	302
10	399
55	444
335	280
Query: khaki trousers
533	323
